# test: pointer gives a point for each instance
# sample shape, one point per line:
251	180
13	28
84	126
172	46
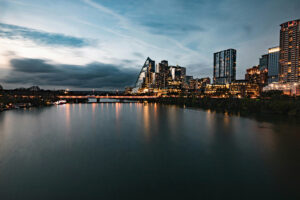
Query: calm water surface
137	151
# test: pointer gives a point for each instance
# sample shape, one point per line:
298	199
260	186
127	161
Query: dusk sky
102	44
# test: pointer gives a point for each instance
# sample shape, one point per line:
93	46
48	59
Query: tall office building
273	64
225	66
146	78
264	62
162	73
178	73
289	51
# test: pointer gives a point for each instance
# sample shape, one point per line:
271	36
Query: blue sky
84	44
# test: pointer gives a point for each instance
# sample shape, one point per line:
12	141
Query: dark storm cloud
94	75
19	32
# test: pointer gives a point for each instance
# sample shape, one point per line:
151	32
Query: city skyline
98	44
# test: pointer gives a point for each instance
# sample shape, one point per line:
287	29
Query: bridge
108	97
96	98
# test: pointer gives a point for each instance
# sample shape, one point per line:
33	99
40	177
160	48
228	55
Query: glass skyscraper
273	64
224	66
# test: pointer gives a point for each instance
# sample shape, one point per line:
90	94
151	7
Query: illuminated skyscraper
273	64
145	77
225	66
289	51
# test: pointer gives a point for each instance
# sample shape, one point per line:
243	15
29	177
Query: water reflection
67	108
146	120
117	113
150	145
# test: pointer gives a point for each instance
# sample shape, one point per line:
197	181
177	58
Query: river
146	151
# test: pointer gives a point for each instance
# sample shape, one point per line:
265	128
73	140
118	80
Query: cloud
139	55
93	75
172	28
200	70
54	39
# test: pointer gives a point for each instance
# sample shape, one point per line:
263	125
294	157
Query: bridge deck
107	97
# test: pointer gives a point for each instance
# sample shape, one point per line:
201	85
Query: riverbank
9	102
284	106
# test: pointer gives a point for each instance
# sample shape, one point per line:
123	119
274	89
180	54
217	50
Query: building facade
291	89
264	62
273	64
289	52
224	66
256	76
145	78
199	83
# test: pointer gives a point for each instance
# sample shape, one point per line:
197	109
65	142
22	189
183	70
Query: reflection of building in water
146	119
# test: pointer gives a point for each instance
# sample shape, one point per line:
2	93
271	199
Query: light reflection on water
115	150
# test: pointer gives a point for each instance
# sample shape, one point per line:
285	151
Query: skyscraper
289	51
225	66
273	64
264	62
145	77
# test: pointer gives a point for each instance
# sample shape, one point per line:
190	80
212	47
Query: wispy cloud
172	28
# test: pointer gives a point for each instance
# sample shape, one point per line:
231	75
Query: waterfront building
224	66
162	74
291	89
217	90
177	77
199	83
178	73
145	77
242	88
289	52
257	76
162	67
273	64
161	78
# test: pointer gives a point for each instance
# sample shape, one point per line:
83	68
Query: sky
102	44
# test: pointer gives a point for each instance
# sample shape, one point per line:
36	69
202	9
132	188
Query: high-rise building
162	74
289	51
263	62
177	77
273	64
145	78
162	67
225	66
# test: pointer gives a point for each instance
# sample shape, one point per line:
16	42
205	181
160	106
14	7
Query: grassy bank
284	106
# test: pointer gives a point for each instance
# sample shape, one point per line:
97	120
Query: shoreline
244	107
